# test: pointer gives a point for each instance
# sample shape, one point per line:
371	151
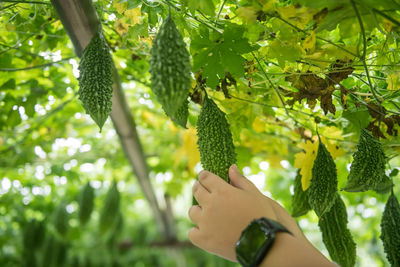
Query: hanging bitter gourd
33	235
368	167
170	71
336	236
323	186
110	210
300	205
217	152
61	219
86	198
54	252
390	230
96	79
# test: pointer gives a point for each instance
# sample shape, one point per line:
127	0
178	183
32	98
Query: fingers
238	180
194	235
200	193
195	214
210	181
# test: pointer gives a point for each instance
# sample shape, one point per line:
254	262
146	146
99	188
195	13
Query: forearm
290	251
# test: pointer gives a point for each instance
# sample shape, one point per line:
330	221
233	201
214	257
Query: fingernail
235	167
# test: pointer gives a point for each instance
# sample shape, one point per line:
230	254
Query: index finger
211	181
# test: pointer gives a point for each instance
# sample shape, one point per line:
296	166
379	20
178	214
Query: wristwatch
256	240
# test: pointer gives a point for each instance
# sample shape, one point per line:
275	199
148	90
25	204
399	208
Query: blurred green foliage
50	149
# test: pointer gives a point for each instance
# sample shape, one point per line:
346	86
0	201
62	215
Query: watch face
252	241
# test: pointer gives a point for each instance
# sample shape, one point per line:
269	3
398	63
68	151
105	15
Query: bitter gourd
170	71
390	228
110	210
96	79
61	219
323	186
368	167
54	252
33	235
300	205
217	152
49	251
86	198
336	236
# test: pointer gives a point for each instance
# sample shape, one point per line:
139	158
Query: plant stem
386	16
219	12
274	87
26	2
36	66
193	17
363	57
318	37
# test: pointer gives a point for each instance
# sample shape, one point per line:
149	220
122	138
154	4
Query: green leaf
134	3
321	4
283	52
358	119
213	70
10	84
6	59
13	118
29	105
205	6
216	54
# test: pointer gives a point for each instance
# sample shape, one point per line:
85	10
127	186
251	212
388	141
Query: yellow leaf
255	143
10	27
173	129
147	116
335	52
43	131
121	26
1	141
120	7
305	160
309	42
178	156
299	16
190	145
267	5
259	125
133	15
331	132
393	81
57	24
188	150
147	40
335	150
247	13
274	161
387	25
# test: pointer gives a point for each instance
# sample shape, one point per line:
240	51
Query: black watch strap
275	226
256	240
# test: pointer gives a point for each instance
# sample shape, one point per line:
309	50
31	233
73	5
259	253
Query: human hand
225	210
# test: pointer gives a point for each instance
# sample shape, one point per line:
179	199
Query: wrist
282	248
289	251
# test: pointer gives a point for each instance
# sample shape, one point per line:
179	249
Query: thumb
237	179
